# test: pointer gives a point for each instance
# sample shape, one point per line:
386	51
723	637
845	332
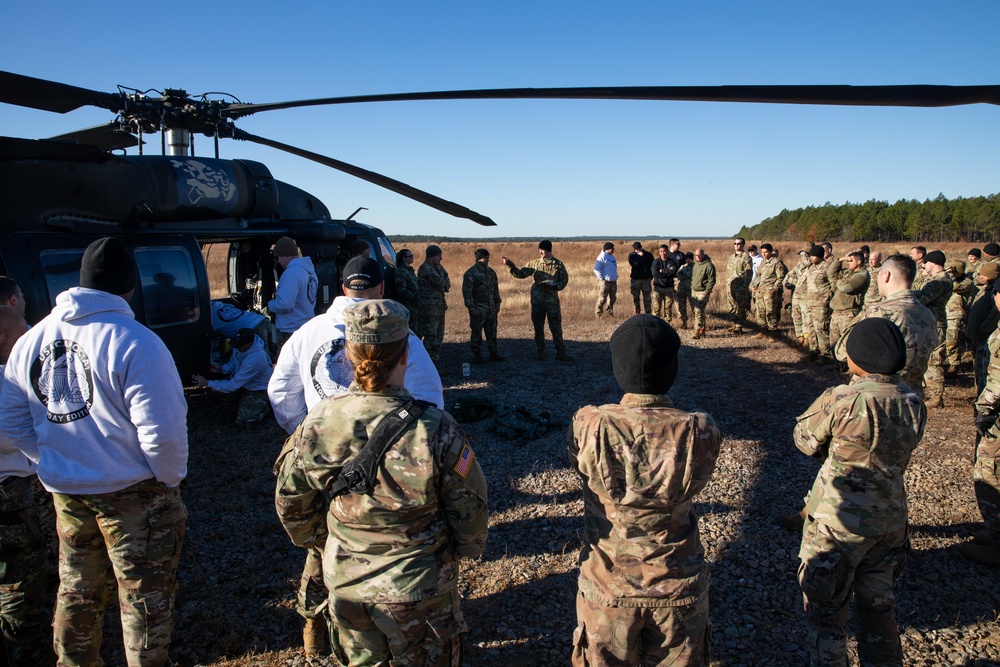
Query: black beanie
991	249
877	345
936	257
482	252
545	245
644	355
108	266
976	252
817	251
433	251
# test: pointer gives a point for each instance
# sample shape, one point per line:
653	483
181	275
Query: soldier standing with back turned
434	283
481	292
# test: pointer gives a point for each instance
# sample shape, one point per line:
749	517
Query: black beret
936	257
991	249
545	245
644	355
362	273
976	252
817	251
482	252
108	266
877	345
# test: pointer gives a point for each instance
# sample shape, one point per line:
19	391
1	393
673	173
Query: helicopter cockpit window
169	286
61	269
388	254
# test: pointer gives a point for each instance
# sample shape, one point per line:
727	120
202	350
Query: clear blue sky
559	168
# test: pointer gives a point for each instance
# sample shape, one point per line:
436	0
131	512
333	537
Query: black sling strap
358	474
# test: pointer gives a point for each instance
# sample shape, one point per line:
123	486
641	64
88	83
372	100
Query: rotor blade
893	96
106	137
35	93
398	187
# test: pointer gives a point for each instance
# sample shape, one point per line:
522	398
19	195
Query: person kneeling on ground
642	462
855	537
248	369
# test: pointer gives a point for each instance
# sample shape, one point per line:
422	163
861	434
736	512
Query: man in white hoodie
92	396
294	301
312	366
248	369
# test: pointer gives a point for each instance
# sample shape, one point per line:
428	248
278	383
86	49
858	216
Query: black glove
788	307
984	423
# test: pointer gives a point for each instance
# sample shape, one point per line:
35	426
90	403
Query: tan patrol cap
376	322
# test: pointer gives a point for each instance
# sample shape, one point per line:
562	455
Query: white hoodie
312	366
248	370
94	397
294	301
13	462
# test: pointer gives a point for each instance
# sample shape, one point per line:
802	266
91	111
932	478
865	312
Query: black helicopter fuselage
56	198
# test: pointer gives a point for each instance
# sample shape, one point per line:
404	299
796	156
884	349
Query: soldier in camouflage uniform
917	254
26	639
957	308
818	291
982	322
482	297
934	294
793	279
768	288
972	263
849	291
407	287
991	255
643	596
855	538
874	264
683	292
393	574
739	272
985	547
434	283
111	445
549	278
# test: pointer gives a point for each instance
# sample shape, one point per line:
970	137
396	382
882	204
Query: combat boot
684	324
935	402
314	636
763	333
562	356
477	358
793	521
496	357
985	538
977	553
541	355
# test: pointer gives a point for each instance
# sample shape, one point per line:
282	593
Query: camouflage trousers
607	292
834	565
313	596
642	287
425	633
683	295
739	303
819	334
797	316
953	342
24	620
805	319
839	321
485	323
769	309
663	304
608	636
137	534
432	330
254	407
699	302
551	310
986	479
934	376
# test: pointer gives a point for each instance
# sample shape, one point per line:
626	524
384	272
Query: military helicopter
61	193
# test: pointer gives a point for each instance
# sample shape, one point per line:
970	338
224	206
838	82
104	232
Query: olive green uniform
481	292
550	278
434	283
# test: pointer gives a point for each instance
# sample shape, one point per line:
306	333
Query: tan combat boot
793	521
314	636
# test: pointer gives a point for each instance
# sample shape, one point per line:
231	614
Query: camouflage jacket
849	290
642	462
915	321
481	290
739	271
433	282
972	269
796	277
550	277
770	277
958	303
872	295
988	402
684	278
934	294
818	288
401	542
864	432
407	291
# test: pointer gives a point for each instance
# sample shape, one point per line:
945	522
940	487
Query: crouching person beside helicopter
398	521
248	370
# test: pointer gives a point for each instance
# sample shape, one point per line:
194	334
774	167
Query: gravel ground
239	571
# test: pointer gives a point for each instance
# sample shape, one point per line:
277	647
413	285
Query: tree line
940	219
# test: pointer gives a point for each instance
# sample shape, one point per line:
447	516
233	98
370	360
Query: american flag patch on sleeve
464	461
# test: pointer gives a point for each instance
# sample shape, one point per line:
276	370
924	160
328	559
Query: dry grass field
239	572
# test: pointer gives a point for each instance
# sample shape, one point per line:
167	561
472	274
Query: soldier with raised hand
643	586
407	288
874	264
768	287
434	283
855	538
393	572
481	292
739	273
549	277
848	294
818	291
956	309
934	293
